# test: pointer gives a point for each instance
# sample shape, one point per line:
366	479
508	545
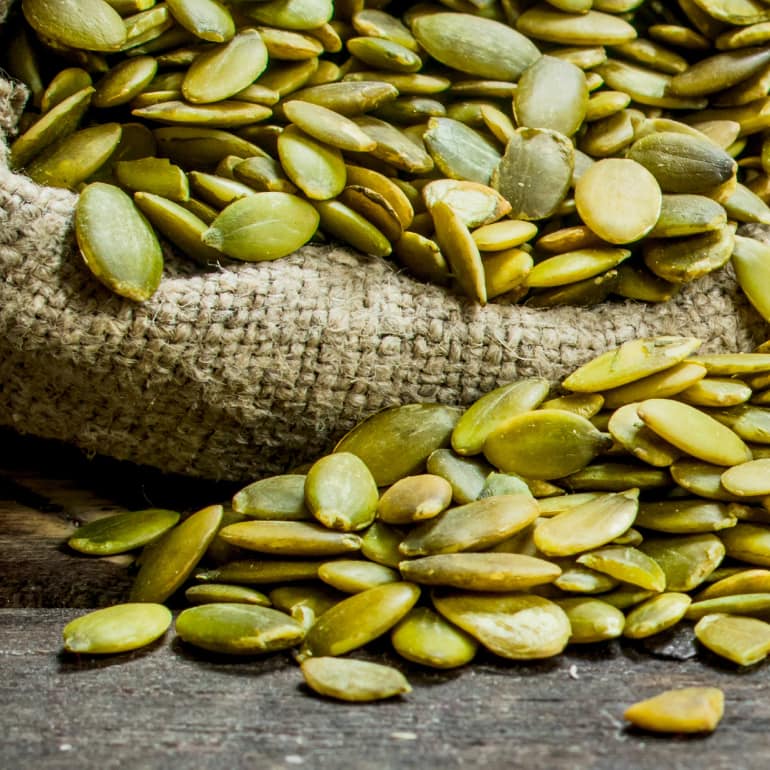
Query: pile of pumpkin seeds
632	500
559	152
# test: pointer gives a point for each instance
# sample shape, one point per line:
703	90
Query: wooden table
170	707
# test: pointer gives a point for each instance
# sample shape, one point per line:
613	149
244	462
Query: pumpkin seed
544	444
687	560
206	19
629	430
748	542
120	628
466	475
477	46
592	620
353	680
750	605
685	516
424	637
480	571
122	532
276	497
342	222
359	619
581	580
686	710
210	593
289	538
341	492
472	526
591	525
535	172
245	229
292	14
264	571
696	433
380	544
117	243
476	204
414	498
238	629
627	564
744	641
517	626
169	561
353	576
657	614
93	25
745	581
574	266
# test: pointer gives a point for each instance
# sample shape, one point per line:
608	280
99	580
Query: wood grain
171	707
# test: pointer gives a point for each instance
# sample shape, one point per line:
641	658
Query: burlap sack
248	370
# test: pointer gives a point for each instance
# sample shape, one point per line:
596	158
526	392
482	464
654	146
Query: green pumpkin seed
223	114
414	498
624	597
245	229
581	580
635	282
669	382
685	516
359	619
476	204
544	444
376	23
629	430
349	97
630	362
618	199
718	72
481	571
387	188
292	14
627	564
63	84
747	479
168	562
93	24
552	505
466	475
516	626
506	272
749	543
157	176
459	151
575	266
422	257
750	605
277	497
341	492
475	45
291	46
590	28
696	433
686	710
342	222
226	69
211	593
685	259
327	126
535	172
206	19
473	526
313	597
745	581
238	629
424	637
587	526
684	214
124	81
551	94
615	477
263	174
592	620
655	615
460	251
503	235
744	641
380	544
182	227
116	629
373	207
194	147
289	538
353	680
751	260
264	571
117	243
353	576
122	532
60	121
687	560
73	158
317	169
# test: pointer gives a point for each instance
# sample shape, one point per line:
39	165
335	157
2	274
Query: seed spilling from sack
417	529
555	155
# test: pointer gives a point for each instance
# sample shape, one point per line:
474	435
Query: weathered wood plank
170	708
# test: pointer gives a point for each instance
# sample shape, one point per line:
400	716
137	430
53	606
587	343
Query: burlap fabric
250	369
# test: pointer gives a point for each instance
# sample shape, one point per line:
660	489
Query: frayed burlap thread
251	369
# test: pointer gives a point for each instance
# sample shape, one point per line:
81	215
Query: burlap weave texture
250	369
